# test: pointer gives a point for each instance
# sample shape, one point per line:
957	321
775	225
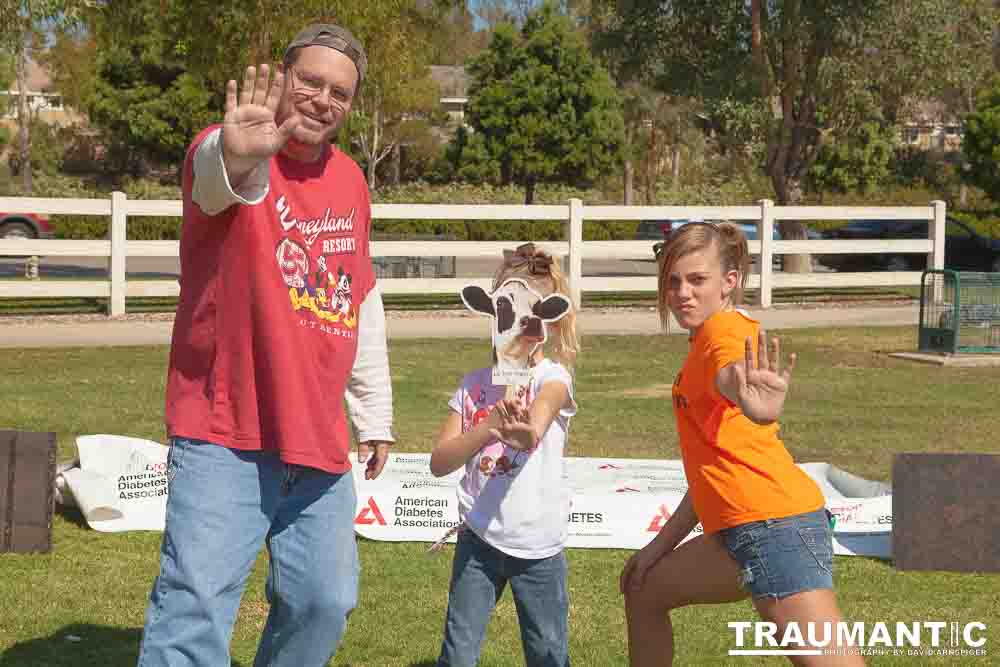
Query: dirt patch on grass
650	391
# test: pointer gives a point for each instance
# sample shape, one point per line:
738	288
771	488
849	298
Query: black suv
963	247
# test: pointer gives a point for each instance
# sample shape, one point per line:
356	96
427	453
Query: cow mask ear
477	300
551	308
504	314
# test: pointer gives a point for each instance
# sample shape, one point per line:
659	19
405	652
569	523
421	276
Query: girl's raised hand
763	385
515	428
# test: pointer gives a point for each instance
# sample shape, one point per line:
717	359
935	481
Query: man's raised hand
250	133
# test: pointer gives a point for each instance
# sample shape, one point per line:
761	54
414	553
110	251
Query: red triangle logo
369	515
661	517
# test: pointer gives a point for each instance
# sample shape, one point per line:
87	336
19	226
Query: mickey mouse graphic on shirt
329	299
341	300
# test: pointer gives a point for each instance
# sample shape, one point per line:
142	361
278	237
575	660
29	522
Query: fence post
765	232
119	219
936	231
574	234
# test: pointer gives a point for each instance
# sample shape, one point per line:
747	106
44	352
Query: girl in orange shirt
766	531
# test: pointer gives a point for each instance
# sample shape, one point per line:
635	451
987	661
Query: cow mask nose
531	326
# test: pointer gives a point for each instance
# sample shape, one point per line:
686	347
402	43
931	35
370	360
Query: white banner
121	483
617	503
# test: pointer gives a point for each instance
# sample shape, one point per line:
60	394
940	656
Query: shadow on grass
79	644
72	515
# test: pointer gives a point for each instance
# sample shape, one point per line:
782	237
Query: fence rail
573	249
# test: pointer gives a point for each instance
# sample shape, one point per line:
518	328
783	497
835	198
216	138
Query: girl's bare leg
700	571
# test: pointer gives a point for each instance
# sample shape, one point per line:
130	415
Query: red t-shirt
265	335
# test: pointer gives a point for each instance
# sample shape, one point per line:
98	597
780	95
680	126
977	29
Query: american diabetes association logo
142	479
406	512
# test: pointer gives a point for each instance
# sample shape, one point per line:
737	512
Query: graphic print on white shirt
495	458
521	505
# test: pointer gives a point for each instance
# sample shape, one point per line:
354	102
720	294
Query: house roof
38	79
451	79
928	112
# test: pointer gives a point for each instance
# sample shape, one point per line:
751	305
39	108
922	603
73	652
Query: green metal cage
959	311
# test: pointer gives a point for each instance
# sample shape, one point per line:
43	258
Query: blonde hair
542	273
728	240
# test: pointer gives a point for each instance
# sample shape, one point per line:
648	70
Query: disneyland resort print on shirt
293	268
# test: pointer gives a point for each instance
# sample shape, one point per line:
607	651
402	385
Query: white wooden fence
574	249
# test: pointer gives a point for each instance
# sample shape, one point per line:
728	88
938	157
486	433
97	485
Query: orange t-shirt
737	471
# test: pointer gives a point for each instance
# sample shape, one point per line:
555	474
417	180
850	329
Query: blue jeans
223	506
781	557
479	575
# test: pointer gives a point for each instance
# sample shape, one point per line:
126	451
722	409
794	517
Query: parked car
964	248
24	226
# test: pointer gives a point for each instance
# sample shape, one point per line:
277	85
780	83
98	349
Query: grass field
851	405
69	305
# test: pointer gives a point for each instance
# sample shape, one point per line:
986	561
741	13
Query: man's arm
369	389
213	191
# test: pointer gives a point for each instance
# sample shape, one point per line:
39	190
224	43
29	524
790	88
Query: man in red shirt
279	321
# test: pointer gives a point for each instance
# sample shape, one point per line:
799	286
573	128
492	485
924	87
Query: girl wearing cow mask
508	426
766	534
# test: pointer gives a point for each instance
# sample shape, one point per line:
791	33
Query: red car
24	226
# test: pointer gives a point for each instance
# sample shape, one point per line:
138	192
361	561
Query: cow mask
519	316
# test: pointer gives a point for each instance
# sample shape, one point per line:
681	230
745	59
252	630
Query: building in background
454	85
44	103
930	125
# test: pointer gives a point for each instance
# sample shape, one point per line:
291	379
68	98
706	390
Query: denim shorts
781	557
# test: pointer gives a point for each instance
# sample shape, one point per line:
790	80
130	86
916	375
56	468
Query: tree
398	89
456	38
20	23
160	80
71	63
856	163
541	107
146	98
820	68
6	70
981	143
661	115
496	12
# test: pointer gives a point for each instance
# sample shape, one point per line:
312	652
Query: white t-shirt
516	501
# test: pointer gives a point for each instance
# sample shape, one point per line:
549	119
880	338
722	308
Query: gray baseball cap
334	37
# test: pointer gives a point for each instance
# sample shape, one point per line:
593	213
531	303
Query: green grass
851	405
87	305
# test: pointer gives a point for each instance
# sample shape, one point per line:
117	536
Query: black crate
944	512
27	491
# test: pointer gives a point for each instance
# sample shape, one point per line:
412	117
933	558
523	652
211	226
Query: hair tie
539	262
